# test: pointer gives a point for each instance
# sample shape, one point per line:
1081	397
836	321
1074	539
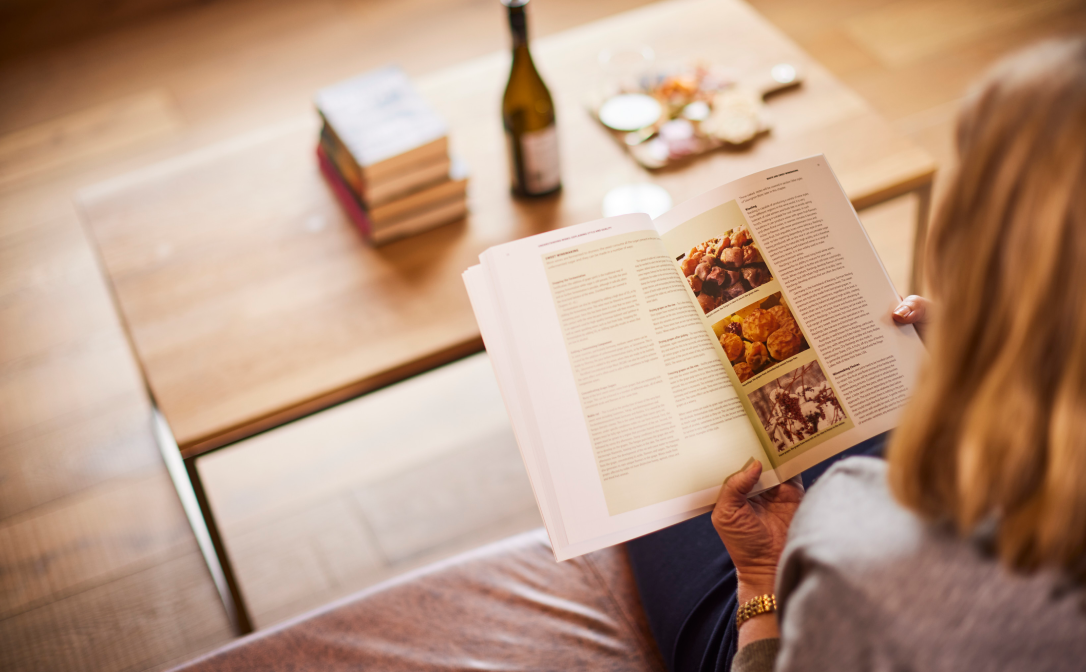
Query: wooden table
250	300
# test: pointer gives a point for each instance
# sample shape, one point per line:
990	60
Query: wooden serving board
746	94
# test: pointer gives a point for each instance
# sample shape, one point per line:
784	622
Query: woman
966	548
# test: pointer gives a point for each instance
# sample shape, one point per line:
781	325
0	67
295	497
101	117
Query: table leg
186	479
923	213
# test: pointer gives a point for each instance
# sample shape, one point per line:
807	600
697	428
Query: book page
613	374
799	306
662	416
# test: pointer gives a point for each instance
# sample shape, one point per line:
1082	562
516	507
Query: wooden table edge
922	179
278	418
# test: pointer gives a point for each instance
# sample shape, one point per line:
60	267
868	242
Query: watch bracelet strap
763	604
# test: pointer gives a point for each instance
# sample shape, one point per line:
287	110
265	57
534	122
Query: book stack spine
384	153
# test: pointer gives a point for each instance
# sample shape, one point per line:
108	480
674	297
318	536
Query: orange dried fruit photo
733	346
758	325
759	336
743	371
756	355
783	343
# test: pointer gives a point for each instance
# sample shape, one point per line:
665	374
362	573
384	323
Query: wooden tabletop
250	299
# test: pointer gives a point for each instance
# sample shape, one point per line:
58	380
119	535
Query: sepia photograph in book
797	407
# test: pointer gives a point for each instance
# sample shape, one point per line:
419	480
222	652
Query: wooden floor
98	568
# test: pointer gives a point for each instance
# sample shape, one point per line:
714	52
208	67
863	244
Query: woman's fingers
734	491
750	528
733	517
913	309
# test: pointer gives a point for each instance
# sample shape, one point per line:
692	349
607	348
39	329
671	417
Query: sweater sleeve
758	656
824	626
825	623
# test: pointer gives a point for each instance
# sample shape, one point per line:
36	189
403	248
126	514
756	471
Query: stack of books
384	151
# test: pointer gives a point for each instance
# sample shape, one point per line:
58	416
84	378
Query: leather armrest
506	606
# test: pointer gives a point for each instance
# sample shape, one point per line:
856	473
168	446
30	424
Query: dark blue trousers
687	584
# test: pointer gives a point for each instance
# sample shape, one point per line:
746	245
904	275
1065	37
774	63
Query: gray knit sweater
865	585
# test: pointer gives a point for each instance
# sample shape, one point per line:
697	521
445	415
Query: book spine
344	162
418	201
410	183
452	211
347	199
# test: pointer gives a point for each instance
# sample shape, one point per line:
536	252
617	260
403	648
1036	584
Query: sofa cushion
506	606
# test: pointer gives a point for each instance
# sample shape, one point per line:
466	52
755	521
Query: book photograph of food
797	406
760	336
724	267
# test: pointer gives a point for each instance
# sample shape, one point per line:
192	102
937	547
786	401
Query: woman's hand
754	530
913	310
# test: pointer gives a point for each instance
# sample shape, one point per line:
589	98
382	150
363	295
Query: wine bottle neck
518	25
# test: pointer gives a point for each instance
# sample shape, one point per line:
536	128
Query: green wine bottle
528	116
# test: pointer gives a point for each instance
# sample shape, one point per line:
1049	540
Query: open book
642	362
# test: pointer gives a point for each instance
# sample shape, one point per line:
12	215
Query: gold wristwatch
763	604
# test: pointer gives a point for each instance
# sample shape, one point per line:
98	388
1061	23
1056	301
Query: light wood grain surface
250	300
74	419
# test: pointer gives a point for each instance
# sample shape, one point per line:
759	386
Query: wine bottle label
539	150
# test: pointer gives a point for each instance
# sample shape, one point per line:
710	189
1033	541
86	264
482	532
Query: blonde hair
996	431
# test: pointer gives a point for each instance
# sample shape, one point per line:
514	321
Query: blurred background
99	568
